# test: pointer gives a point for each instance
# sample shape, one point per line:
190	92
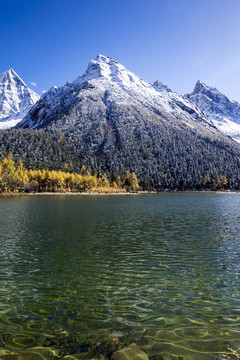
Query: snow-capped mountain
224	113
105	85
111	121
16	99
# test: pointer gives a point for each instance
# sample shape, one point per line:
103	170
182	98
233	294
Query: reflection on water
160	270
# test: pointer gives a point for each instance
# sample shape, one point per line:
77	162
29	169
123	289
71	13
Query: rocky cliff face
16	99
224	113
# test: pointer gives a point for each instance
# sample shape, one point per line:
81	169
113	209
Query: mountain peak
108	69
201	87
103	58
103	66
11	71
224	113
11	76
99	67
15	99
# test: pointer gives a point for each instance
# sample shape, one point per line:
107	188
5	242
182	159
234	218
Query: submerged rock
132	352
107	346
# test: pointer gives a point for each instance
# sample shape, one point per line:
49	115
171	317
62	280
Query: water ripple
72	267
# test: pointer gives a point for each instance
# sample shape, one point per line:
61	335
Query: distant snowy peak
201	87
224	113
16	99
10	76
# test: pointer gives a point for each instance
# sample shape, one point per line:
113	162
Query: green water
161	270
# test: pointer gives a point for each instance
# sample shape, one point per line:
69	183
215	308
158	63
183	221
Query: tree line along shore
15	178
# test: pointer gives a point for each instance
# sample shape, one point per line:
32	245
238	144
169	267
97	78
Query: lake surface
80	274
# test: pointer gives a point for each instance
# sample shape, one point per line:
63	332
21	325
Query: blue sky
177	42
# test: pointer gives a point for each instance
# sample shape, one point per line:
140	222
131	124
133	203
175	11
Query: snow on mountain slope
16	99
224	113
179	104
109	84
111	121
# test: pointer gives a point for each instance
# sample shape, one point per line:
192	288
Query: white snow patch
4	125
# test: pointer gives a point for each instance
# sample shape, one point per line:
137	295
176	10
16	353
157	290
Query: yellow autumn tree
134	186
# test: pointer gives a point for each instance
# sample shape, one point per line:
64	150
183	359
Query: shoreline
46	193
